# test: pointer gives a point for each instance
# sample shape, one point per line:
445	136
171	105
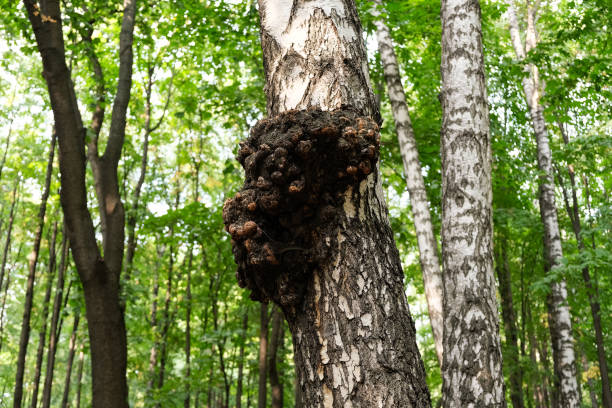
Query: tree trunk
573	212
188	299
428	247
42	337
9	233
167	318
149	128
6	148
276	339
53	330
560	323
327	256
29	295
71	352
80	377
263	356
245	327
471	328
509	318
99	275
4	296
154	323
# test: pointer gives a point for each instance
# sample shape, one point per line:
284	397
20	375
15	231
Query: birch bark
472	369
353	336
428	247
560	323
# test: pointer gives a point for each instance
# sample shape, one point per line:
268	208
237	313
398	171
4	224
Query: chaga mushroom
298	166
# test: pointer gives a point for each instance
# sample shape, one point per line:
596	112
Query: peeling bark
472	368
353	336
560	324
428	246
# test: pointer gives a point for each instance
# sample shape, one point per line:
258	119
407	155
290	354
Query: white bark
428	247
314	56
354	338
472	369
560	324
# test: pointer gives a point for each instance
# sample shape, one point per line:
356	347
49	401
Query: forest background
197	89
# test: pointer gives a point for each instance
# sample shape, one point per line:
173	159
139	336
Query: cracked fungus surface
283	221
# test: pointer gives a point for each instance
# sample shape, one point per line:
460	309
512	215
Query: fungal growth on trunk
298	166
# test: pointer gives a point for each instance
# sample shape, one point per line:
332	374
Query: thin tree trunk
166	319
263	356
9	233
535	376
71	352
560	323
99	275
6	287
53	330
276	338
80	377
149	128
42	337
245	327
471	329
573	212
154	329
188	333
24	338
6	148
327	256
509	318
428	247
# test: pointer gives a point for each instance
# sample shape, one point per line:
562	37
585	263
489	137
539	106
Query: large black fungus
298	166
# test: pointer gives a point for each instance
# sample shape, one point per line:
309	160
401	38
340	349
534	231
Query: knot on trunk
282	222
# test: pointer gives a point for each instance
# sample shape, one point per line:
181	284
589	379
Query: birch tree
428	247
560	324
310	227
472	368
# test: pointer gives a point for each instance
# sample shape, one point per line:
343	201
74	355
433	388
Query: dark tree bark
327	256
4	296
24	338
154	323
276	339
99	275
54	331
80	377
245	327
263	356
9	233
69	363
472	349
6	148
505	290
188	300
166	320
42	337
